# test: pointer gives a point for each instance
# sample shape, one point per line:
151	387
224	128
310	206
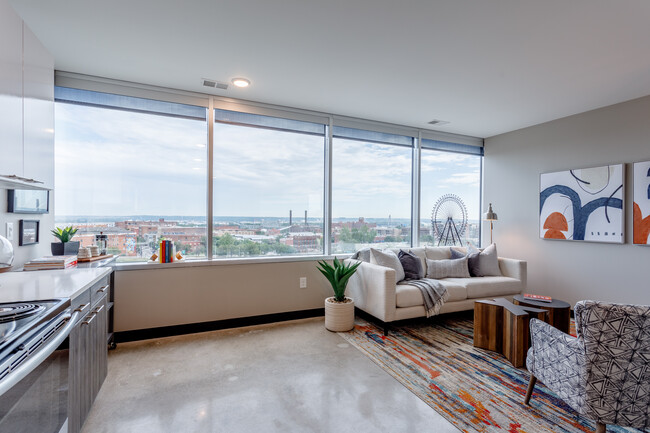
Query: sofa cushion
437	253
388	259
411	264
484	287
438	269
410	296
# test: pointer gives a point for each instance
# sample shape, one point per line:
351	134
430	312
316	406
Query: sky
115	163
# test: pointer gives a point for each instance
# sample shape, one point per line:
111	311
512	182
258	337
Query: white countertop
36	285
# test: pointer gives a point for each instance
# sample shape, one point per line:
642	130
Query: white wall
565	269
26	123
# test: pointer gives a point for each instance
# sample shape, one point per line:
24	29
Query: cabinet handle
87	321
98	309
81	307
103	289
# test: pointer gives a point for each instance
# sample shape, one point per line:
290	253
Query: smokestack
290	218
305	217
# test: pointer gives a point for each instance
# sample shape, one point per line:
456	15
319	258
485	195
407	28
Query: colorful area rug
474	389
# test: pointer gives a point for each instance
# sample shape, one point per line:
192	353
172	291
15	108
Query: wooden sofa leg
601	428
385	329
529	391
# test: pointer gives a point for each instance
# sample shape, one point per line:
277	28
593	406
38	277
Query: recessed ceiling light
241	82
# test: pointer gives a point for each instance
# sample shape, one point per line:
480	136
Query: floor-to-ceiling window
371	189
283	182
133	169
450	194
268	188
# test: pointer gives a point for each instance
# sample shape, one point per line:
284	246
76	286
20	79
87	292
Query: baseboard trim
192	328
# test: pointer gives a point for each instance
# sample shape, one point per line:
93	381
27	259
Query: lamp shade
490	215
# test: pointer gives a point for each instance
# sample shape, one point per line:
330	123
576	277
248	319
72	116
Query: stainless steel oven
34	361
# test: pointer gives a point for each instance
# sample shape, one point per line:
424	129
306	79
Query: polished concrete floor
285	377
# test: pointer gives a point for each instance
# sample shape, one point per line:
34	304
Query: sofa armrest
373	289
513	268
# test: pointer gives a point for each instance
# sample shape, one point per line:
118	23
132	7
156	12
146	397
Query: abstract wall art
583	204
641	203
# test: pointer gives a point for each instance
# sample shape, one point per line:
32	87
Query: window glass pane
371	195
450	198
137	177
268	189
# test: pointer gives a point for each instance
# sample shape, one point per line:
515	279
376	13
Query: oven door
37	399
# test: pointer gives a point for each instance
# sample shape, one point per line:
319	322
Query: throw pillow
411	264
363	255
455	254
489	261
388	259
473	261
453	268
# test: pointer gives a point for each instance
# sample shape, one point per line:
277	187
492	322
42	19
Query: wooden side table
559	312
503	327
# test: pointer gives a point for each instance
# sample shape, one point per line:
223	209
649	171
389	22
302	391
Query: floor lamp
490	216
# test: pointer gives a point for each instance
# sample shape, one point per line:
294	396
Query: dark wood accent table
501	326
559	312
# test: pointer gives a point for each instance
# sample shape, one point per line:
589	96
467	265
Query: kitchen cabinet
11	91
26	101
38	110
88	352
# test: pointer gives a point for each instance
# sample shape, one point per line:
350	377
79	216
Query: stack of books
166	251
532	297
51	262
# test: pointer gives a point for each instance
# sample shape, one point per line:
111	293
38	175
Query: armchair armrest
373	289
558	360
513	268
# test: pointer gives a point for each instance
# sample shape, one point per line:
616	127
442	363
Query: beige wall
569	270
164	297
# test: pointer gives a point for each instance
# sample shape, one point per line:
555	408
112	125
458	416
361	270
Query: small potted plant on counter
339	309
66	247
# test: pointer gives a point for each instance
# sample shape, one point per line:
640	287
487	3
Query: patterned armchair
604	373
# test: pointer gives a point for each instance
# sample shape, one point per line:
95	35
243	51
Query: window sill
221	262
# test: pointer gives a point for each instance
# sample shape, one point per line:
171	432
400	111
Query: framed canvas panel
641	211
584	204
28	232
28	201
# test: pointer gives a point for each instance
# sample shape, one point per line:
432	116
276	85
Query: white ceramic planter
339	316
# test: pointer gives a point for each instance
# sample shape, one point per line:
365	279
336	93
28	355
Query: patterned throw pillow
454	268
411	264
388	259
472	259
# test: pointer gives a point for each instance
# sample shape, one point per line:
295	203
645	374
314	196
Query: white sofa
374	290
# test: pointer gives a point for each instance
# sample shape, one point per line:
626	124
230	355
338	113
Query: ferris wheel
449	220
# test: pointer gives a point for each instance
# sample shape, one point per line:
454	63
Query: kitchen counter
36	285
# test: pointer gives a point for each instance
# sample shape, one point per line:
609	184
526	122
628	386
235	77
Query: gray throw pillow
455	254
454	268
484	263
411	264
388	259
362	255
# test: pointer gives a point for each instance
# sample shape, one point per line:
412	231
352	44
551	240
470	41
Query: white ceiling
486	66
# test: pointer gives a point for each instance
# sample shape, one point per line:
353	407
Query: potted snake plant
66	247
339	309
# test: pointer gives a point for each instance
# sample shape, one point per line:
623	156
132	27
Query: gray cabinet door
88	361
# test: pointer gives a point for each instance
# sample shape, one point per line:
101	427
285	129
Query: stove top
19	320
13	312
